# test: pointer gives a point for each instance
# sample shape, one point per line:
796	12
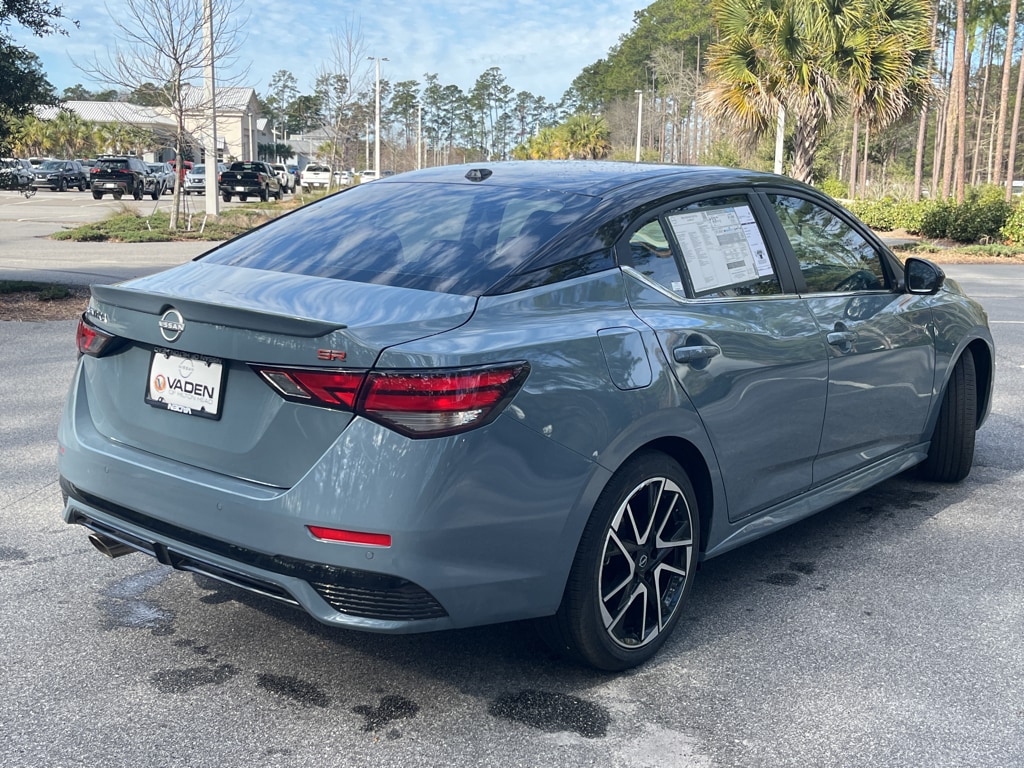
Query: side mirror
921	276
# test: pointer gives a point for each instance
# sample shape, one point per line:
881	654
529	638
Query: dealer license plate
188	384
239	189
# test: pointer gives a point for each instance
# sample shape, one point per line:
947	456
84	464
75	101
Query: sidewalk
26	253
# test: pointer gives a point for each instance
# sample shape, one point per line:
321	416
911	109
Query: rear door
742	344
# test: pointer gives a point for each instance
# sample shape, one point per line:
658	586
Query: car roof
583	177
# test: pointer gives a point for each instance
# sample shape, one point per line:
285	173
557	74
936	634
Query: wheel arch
693	462
984	371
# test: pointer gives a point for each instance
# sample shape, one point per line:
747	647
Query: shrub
1013	230
835	188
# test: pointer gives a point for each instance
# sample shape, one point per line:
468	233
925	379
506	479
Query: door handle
695	353
841	338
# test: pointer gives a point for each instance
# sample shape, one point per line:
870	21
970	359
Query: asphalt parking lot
886	631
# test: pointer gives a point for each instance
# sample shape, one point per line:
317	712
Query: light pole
210	94
376	119
639	118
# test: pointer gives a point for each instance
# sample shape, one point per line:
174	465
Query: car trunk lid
242	320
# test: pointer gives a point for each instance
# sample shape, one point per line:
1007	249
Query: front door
881	354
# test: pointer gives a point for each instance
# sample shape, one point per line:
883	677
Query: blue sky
539	46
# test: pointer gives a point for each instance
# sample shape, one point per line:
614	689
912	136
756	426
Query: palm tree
803	56
585	137
886	61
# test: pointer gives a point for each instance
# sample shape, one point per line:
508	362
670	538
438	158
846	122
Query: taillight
433	403
418	404
90	340
335	389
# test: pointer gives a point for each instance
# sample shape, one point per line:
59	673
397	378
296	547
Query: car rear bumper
484	529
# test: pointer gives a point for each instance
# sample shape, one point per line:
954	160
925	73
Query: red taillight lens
352	537
336	389
418	404
90	340
433	403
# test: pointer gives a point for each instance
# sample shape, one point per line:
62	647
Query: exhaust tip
110	547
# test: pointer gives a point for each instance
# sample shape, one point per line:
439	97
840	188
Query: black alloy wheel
633	569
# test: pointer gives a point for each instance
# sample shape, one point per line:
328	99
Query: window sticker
721	247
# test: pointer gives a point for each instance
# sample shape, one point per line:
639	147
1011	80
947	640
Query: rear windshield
316	169
453	238
246	167
112	165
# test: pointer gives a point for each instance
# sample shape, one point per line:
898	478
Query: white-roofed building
238	109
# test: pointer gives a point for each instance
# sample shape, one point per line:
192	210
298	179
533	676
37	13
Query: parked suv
16	173
119	175
59	175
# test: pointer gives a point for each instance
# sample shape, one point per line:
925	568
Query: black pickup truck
249	178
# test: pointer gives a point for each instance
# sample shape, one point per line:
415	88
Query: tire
63	186
97	195
264	194
117	195
226	197
81	186
951	452
243	198
625	593
280	194
156	193
137	193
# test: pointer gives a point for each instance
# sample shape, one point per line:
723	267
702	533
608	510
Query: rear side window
454	238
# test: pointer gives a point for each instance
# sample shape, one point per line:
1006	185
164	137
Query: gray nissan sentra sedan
548	390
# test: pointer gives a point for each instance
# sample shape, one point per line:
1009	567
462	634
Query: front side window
833	257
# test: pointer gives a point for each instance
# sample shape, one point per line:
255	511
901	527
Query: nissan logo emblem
171	325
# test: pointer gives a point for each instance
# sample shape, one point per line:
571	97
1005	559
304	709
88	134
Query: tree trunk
805	147
780	135
986	62
854	147
951	155
961	67
1011	160
1004	96
922	125
864	165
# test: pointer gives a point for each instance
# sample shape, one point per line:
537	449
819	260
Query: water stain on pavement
12	553
124	606
553	712
296	689
391	708
182	680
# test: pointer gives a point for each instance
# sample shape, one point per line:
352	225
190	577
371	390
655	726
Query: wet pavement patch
12	553
296	689
182	680
783	578
124	606
391	708
552	712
